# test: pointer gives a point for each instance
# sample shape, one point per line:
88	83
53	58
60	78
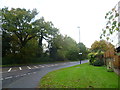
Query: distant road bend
29	76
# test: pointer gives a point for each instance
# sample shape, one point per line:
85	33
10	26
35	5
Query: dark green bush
96	59
98	63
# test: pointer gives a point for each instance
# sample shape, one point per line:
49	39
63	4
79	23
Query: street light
79	41
79	33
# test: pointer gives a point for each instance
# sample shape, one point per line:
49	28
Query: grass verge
80	76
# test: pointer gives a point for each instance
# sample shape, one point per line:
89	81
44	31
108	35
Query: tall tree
19	22
47	31
101	45
83	50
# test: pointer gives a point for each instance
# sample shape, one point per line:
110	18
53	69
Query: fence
112	60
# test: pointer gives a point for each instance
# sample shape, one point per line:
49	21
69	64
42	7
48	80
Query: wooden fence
111	57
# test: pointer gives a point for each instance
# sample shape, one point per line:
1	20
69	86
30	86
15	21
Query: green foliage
83	50
6	38
23	37
63	47
112	24
101	45
96	58
18	22
98	63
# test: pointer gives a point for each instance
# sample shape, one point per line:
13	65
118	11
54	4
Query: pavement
29	76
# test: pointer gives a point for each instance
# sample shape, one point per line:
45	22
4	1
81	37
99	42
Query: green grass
80	76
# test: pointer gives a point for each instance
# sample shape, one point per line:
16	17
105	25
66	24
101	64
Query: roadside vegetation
80	76
93	74
27	39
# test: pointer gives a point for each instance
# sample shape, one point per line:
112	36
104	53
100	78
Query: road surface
29	76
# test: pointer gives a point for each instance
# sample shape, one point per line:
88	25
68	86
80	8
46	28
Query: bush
98	63
96	59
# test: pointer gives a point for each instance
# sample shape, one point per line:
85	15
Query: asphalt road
29	76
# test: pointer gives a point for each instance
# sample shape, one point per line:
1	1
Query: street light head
78	27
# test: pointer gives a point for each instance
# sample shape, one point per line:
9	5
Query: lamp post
79	41
79	33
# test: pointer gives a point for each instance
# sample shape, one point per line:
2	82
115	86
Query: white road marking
17	76
23	75
8	77
28	67
35	66
1	78
9	69
20	68
34	72
43	66
29	73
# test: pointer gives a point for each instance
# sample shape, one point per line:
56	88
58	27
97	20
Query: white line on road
17	76
8	77
20	68
28	67
34	72
29	73
23	75
1	78
43	66
35	66
9	69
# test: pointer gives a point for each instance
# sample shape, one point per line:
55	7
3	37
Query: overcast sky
67	15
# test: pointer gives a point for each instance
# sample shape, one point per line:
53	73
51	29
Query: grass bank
80	76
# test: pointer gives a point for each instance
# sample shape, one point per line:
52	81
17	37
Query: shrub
96	58
98	63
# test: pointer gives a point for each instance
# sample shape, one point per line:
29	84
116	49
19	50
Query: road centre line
17	76
8	77
34	72
23	75
1	78
28	73
43	66
9	69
